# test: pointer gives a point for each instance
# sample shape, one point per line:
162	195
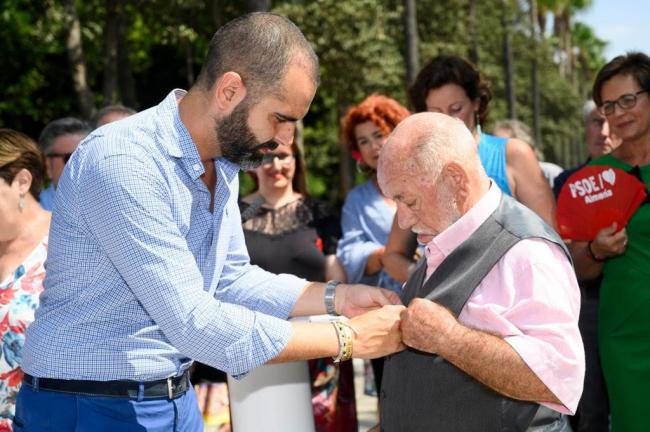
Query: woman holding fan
622	254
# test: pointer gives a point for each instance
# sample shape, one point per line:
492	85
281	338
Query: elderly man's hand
427	326
353	300
377	333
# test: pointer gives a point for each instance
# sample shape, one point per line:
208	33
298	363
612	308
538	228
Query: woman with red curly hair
367	214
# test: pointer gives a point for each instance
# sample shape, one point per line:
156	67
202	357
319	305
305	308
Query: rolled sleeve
354	248
253	287
535	309
144	243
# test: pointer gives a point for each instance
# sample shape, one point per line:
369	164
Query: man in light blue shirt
147	268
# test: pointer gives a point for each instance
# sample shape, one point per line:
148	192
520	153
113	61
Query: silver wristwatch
330	292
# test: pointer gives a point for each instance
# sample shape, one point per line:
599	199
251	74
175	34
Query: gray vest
424	392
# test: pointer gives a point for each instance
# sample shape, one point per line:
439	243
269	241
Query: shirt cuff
269	337
287	288
538	360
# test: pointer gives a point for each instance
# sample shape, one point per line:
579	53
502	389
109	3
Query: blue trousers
45	411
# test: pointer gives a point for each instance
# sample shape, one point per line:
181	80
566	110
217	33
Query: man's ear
457	179
229	91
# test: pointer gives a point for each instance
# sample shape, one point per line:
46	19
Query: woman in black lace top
286	231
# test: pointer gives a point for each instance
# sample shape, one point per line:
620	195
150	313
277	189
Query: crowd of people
127	255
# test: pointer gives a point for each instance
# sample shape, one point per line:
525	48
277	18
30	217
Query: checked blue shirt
141	276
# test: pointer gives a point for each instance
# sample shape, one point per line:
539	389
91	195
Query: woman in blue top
367	214
451	85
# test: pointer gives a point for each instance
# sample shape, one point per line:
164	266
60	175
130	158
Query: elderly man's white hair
428	141
587	108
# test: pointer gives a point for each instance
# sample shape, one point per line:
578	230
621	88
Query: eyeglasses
284	158
627	101
65	156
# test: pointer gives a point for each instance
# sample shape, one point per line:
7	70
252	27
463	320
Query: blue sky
625	24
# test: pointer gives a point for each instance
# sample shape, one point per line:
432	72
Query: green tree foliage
360	44
357	44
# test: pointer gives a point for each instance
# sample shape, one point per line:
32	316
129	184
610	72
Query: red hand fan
593	198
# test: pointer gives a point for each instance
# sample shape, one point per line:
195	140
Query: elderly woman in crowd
367	214
23	247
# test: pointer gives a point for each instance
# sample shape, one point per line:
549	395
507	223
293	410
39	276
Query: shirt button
197	167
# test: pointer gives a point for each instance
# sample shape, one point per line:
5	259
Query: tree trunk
411	39
110	52
216	12
533	75
507	61
75	54
258	5
346	167
473	32
189	61
125	72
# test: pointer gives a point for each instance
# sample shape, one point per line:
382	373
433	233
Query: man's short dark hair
60	127
111	109
636	64
450	69
258	46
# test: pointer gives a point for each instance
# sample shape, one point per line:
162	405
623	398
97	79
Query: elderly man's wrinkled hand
353	300
377	333
427	326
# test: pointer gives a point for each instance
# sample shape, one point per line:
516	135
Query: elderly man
110	114
492	322
593	409
58	140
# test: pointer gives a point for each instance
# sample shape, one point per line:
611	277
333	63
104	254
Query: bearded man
147	266
492	317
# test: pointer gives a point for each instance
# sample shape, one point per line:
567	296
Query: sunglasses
283	158
65	156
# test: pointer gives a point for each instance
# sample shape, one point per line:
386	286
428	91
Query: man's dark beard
238	144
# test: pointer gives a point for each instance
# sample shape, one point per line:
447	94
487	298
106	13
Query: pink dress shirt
530	298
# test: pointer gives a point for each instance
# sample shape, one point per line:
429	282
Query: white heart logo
609	176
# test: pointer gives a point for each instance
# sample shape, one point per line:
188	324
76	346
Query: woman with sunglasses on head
622	254
451	85
287	231
24	227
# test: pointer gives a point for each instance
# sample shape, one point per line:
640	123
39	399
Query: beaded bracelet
591	255
344	334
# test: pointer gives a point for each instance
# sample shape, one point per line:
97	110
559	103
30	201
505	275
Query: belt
170	388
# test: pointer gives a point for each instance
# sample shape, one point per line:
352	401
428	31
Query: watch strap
330	293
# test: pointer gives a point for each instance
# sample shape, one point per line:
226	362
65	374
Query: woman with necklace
287	231
24	227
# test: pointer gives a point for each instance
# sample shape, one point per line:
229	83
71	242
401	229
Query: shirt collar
179	142
228	170
176	138
452	237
